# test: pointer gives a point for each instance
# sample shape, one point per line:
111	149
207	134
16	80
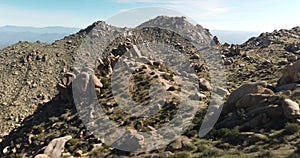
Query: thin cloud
196	5
196	9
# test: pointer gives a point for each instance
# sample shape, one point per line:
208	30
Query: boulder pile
254	106
265	39
83	82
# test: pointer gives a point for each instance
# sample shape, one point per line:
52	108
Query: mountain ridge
32	34
38	77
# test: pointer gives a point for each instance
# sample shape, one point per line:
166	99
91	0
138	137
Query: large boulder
291	74
56	147
287	87
235	96
256	99
80	84
96	81
248	88
254	106
294	71
291	109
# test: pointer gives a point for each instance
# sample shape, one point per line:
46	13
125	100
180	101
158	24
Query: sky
237	15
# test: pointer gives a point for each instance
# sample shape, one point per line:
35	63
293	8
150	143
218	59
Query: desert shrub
230	136
212	152
223	145
113	156
196	123
201	147
168	77
72	144
291	128
296	153
265	154
191	133
182	155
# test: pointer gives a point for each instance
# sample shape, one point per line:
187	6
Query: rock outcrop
254	106
56	146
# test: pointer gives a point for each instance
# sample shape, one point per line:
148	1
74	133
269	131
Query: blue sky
250	15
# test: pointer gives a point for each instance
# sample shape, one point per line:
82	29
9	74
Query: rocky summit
65	99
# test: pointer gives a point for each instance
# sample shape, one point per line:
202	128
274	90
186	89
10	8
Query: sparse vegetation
35	112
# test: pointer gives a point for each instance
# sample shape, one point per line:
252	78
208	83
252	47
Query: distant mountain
234	37
39	30
12	34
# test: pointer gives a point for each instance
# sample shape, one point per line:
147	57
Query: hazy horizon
12	34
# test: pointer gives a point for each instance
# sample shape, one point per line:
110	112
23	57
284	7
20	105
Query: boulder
222	91
256	99
255	105
180	144
204	84
294	71
68	78
228	61
197	96
41	156
144	60
195	56
272	111
120	50
94	79
291	74
294	48
296	93
249	88
81	82
268	91
290	109
255	122
287	87
285	79
292	58
135	52
56	147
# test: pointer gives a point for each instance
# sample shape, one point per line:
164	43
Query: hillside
54	95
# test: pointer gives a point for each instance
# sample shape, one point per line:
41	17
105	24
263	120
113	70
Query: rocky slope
260	116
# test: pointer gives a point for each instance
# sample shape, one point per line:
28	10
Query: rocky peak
173	21
98	25
182	26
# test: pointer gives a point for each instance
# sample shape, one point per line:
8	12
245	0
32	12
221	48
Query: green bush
291	128
230	136
265	154
182	155
212	152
